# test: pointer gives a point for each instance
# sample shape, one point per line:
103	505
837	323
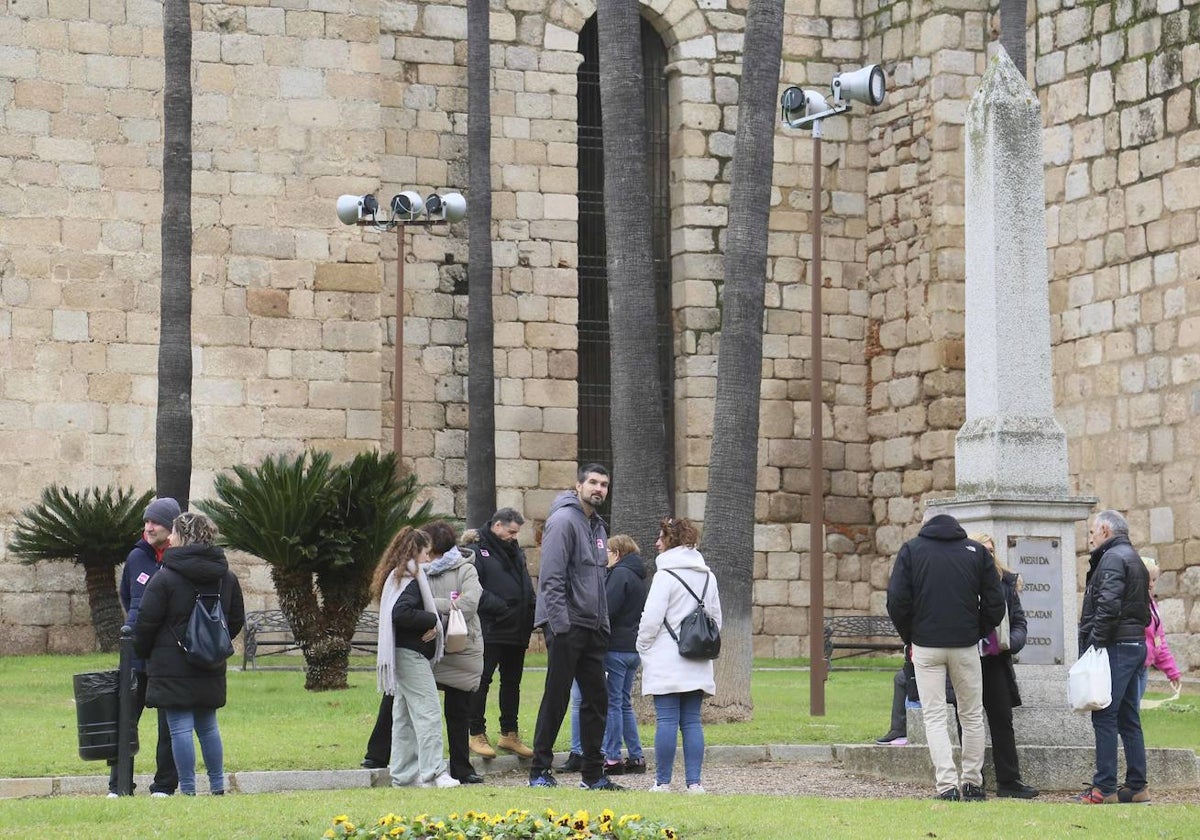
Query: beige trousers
962	664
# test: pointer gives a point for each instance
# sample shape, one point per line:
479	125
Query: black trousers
575	656
511	661
166	777
997	704
455	710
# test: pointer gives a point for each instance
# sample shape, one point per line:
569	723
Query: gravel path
787	778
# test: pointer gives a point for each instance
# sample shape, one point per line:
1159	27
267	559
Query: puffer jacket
944	591
1116	597
574	564
506	607
664	671
166	606
455	571
141	565
625	590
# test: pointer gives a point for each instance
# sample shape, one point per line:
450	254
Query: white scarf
385	653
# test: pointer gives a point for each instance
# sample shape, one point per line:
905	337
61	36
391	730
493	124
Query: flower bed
513	825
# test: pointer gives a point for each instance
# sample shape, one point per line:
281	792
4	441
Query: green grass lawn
272	723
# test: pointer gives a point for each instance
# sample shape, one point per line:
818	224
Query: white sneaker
158	794
113	796
446	781
696	788
660	788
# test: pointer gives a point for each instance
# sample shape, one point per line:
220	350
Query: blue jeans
622	667
576	701
182	723
1127	662
678	713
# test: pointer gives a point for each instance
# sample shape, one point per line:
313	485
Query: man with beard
572	610
506	614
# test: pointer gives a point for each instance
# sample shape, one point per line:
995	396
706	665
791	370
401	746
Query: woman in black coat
1000	691
189	694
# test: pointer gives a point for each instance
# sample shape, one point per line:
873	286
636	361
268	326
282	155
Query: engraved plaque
1038	560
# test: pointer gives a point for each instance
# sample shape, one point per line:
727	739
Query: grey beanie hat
162	511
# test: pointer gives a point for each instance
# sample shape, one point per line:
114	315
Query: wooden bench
860	633
270	629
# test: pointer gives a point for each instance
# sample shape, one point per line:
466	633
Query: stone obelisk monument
1011	470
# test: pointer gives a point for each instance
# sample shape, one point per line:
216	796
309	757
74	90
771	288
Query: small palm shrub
96	529
321	527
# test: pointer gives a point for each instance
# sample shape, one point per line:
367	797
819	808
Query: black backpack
205	642
699	637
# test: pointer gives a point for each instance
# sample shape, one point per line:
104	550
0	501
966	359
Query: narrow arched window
595	430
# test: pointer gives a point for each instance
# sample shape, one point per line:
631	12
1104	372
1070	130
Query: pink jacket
1158	652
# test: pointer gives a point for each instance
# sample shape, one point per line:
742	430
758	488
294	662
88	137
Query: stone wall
295	315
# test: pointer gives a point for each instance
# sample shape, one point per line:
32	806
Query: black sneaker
973	793
573	764
634	765
1016	790
949	795
616	768
373	764
603	783
893	738
543	779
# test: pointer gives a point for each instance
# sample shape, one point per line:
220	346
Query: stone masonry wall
1118	83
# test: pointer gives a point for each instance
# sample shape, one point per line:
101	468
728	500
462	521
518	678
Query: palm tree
321	528
481	374
638	433
173	425
732	474
96	530
1012	30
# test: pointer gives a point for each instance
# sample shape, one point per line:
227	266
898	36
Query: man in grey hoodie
572	611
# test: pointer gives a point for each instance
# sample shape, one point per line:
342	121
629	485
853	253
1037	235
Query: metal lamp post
407	208
802	108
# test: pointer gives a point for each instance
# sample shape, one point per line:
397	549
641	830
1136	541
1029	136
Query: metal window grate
595	378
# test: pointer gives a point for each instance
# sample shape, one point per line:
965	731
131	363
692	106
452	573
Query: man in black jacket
506	617
1116	610
944	596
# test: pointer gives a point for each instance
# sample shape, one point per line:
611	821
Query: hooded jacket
625	591
570	589
1116	597
166	606
507	604
944	591
664	671
455	571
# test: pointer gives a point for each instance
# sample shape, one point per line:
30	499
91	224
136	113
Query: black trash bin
96	704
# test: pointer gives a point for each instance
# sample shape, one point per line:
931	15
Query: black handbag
698	637
205	642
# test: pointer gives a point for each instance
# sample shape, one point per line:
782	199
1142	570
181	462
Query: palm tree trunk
732	477
173	426
638	433
100	579
481	375
1013	31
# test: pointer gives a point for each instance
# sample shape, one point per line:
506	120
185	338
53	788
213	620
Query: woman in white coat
678	685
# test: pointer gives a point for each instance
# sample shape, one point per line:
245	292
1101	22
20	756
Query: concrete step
1055	726
1046	768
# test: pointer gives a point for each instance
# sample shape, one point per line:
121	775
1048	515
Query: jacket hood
199	564
943	527
681	557
449	561
566	498
634	563
1099	551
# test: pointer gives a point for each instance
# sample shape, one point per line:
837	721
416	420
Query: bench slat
279	638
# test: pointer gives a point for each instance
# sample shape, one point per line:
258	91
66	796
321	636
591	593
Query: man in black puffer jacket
1116	610
506	616
944	596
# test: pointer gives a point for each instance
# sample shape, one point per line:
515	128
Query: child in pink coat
1158	652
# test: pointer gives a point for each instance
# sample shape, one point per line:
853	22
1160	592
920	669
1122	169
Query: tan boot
511	741
480	746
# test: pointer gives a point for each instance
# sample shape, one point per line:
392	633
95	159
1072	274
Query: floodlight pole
398	376
816	465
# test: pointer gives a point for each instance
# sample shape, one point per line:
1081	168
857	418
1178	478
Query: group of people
958	610
600	622
176	562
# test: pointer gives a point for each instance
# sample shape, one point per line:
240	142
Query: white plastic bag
1090	682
